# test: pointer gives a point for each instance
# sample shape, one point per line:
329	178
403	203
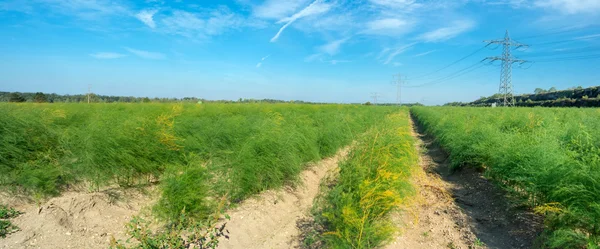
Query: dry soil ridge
269	220
460	209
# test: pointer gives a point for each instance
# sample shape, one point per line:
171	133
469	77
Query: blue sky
323	50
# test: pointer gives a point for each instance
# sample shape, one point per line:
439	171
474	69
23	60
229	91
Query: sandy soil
461	209
432	220
75	220
269	220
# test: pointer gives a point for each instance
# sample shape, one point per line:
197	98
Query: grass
372	182
6	227
549	159
197	153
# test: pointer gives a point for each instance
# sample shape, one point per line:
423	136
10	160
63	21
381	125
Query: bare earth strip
460	209
269	220
432	220
75	220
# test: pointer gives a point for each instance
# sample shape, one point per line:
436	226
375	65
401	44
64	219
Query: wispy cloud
425	53
261	60
397	51
588	37
86	9
570	6
445	33
146	16
202	25
146	54
315	8
333	47
277	9
388	26
335	62
107	55
314	57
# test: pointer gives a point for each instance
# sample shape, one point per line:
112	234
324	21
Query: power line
559	53
572	58
561	30
449	65
452	75
506	86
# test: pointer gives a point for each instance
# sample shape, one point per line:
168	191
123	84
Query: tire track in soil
269	220
460	209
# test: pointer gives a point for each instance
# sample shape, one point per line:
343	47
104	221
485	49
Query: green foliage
15	97
40	98
7	213
6	227
181	234
549	158
184	188
372	182
196	152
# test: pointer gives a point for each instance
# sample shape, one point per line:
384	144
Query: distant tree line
40	97
571	97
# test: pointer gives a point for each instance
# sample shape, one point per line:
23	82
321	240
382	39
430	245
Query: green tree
552	89
539	91
40	97
16	97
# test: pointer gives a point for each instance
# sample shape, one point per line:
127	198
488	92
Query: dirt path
269	221
76	220
460	209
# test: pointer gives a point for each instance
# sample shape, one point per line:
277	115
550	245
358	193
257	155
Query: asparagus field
372	182
549	159
196	152
206	158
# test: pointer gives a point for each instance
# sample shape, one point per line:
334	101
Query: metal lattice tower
398	81
375	95
506	86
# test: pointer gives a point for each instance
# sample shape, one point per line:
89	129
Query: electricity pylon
375	95
398	82
506	86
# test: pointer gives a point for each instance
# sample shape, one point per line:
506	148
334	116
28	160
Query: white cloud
146	16
146	54
261	60
588	37
570	6
333	47
86	9
388	26
335	62
313	57
394	3
315	8
397	51
424	53
382	53
277	9
107	55
445	33
202	25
